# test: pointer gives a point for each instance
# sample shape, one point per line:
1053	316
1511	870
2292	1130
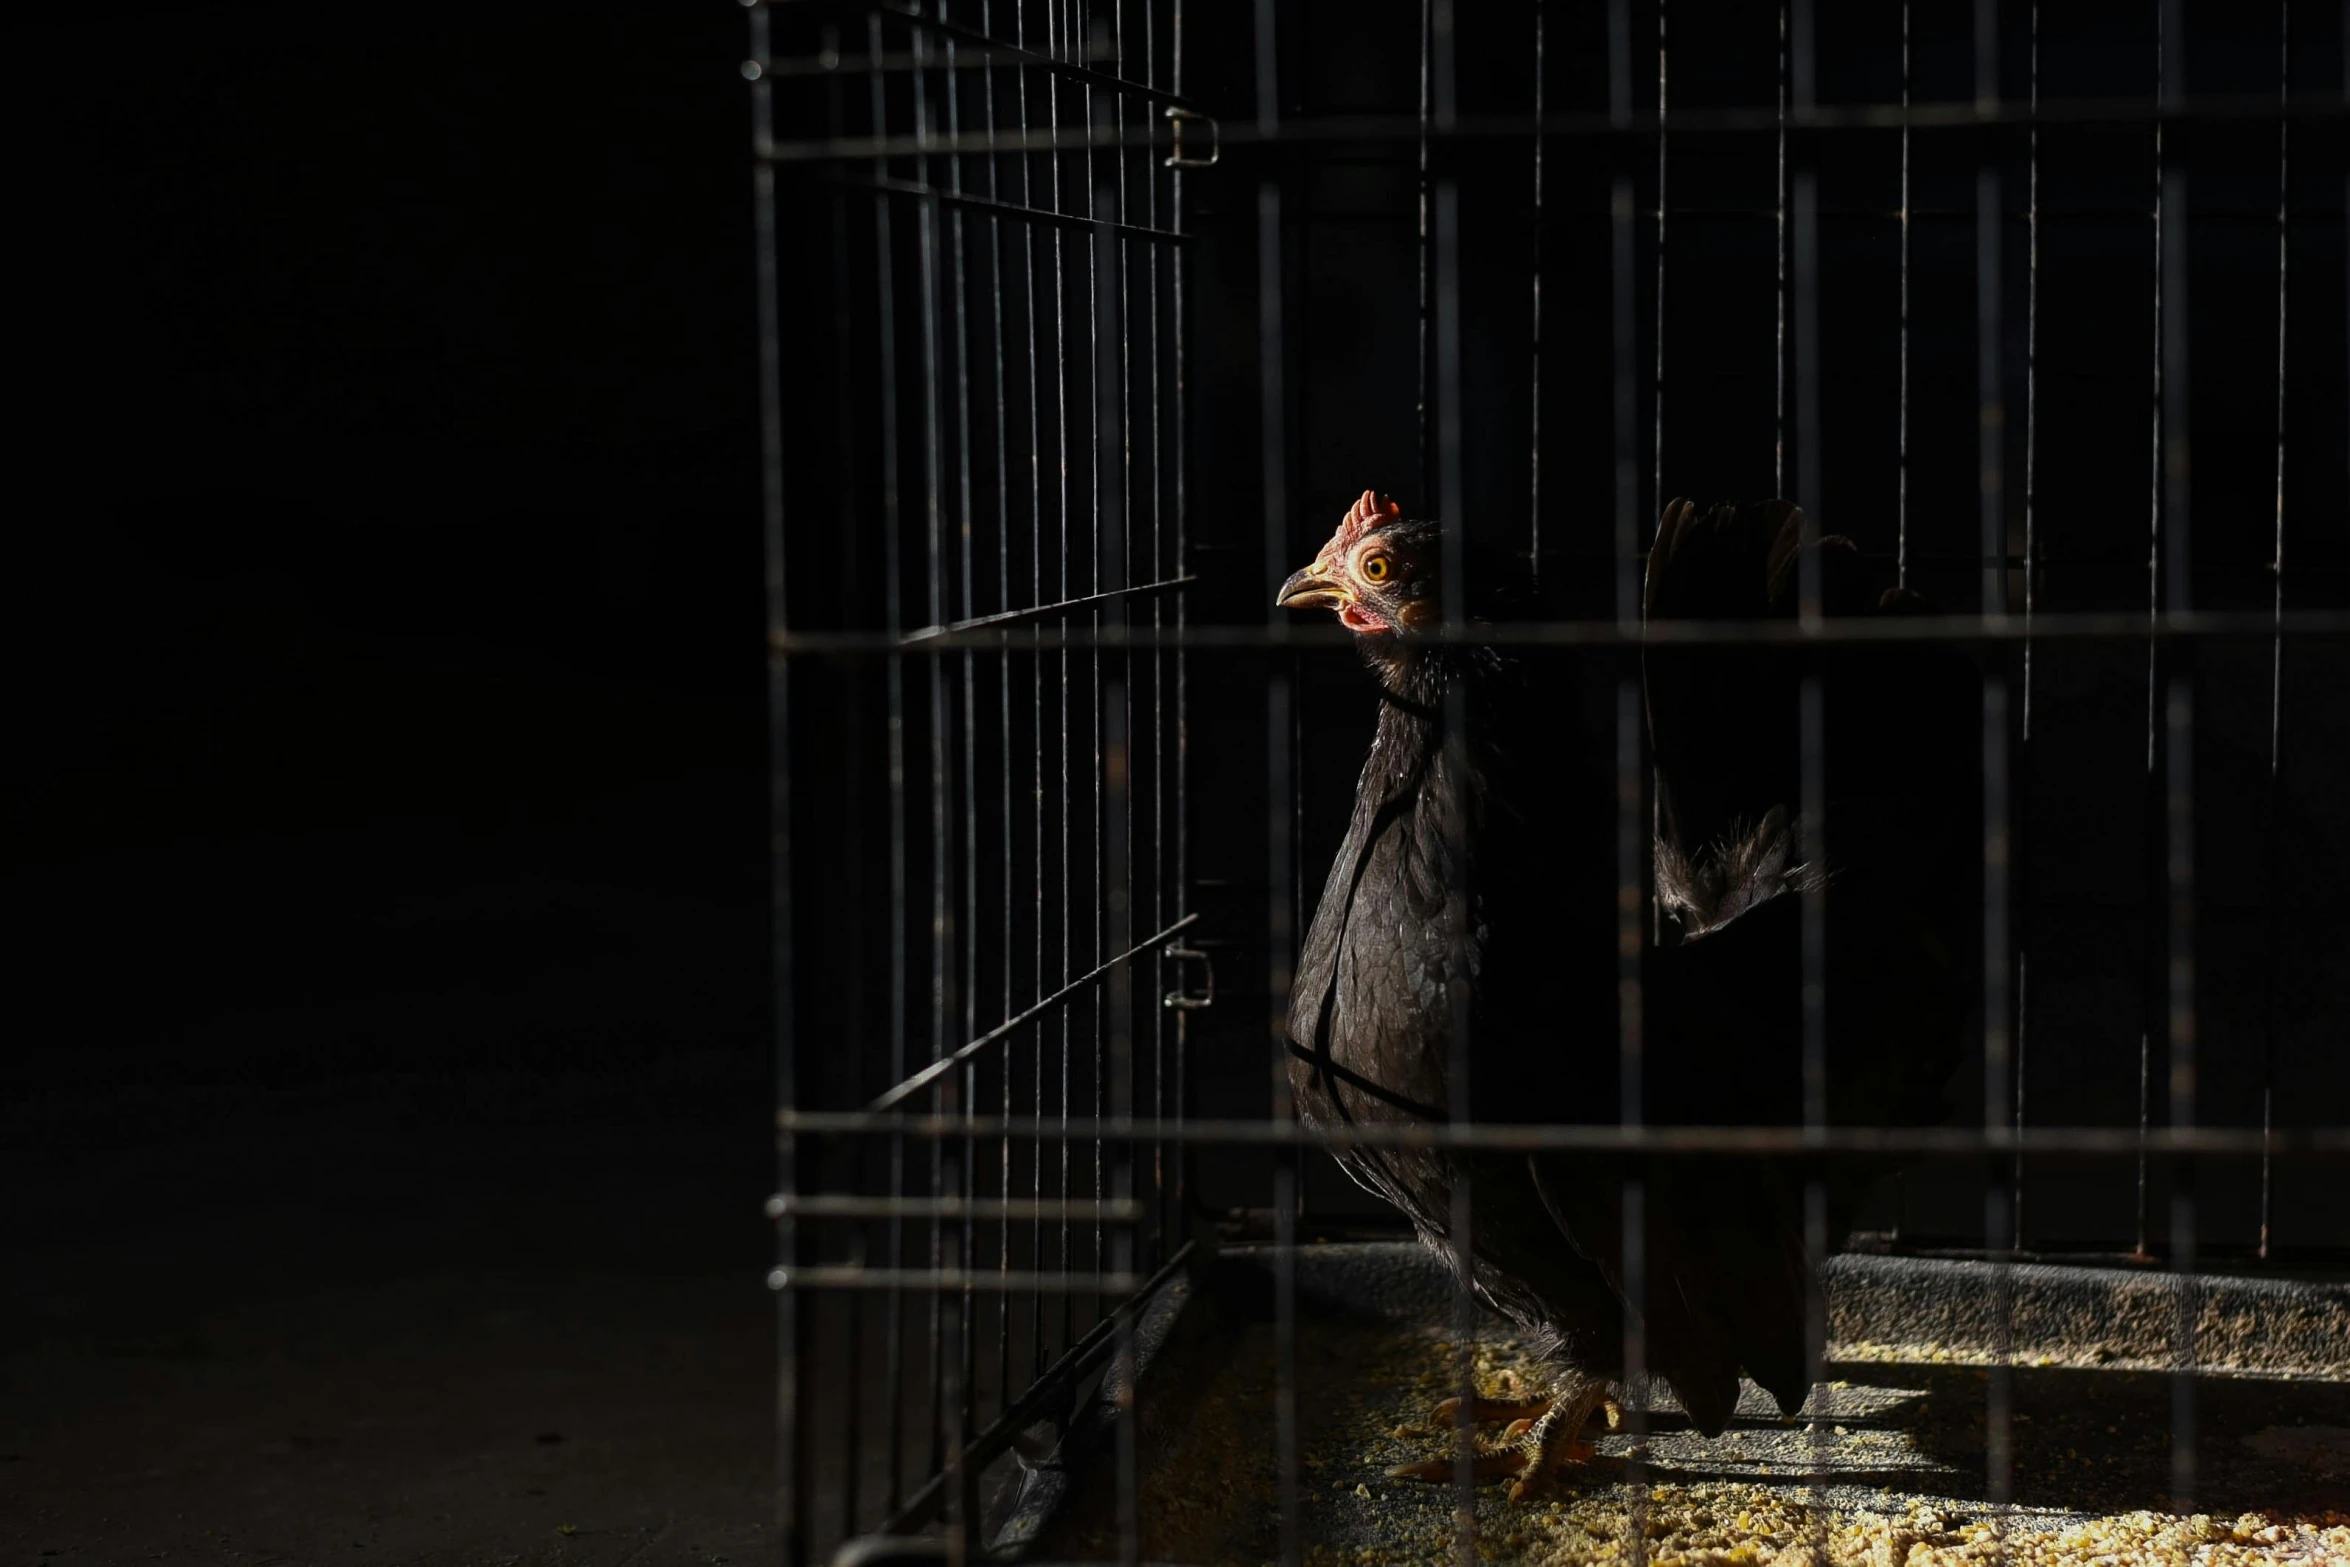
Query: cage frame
2170	628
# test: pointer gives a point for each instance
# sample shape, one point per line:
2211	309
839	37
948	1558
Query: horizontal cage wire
1079	320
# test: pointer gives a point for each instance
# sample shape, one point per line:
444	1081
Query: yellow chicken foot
1484	1410
1541	1437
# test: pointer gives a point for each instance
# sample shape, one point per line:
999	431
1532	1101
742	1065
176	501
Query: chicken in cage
1742	964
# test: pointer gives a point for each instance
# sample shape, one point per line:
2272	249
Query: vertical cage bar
1003	663
1656	495
1054	45
966	978
1632	822
2021	848
1664	138
1161	1176
1811	487
1180	482
2018	853
1081	43
2150	958
2179	767
2272	837
1451	510
2179	801
1631	944
1999	1418
1901	399
854	1161
1623	343
1280	916
793	1482
1991	499
1991	416
1534	322
2031	397
1812	788
1037	681
1118	765
1779	263
893	620
1158	567
944	1447
1113	721
1427	320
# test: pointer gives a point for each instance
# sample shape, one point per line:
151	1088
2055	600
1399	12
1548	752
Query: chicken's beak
1313	588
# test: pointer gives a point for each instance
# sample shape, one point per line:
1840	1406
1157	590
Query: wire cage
1077	324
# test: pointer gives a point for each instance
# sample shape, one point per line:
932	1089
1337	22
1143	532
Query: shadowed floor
516	1348
1884	1450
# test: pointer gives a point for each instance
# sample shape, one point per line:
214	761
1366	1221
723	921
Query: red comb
1372	511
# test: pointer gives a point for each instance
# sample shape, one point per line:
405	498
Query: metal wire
1657	494
1280	849
1664	1142
1800	292
1038	682
1044	1006
1953	119
943	1443
2179	762
1663	154
1600	635
1997	957
965	201
952	1222
799	1500
1632	877
1534	311
2154	539
792	1523
893	1334
1779	264
1440	108
2031	573
1901	400
1114	866
1178	473
2272	837
1003	500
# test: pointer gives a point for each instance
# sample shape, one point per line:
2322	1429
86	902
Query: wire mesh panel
1942	275
976	436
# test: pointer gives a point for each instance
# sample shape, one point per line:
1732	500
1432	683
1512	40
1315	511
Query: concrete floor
556	1347
552	1347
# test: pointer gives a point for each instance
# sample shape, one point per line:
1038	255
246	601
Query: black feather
1519	817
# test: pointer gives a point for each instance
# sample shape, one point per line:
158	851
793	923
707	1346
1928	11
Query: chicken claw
1540	1439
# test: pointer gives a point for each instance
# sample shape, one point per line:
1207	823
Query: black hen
1517	823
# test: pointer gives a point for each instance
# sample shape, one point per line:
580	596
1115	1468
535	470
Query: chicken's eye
1377	566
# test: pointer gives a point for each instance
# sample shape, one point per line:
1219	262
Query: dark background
386	1107
388	1083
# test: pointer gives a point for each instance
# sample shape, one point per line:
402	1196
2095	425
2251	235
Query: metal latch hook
1181	1000
1178	159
